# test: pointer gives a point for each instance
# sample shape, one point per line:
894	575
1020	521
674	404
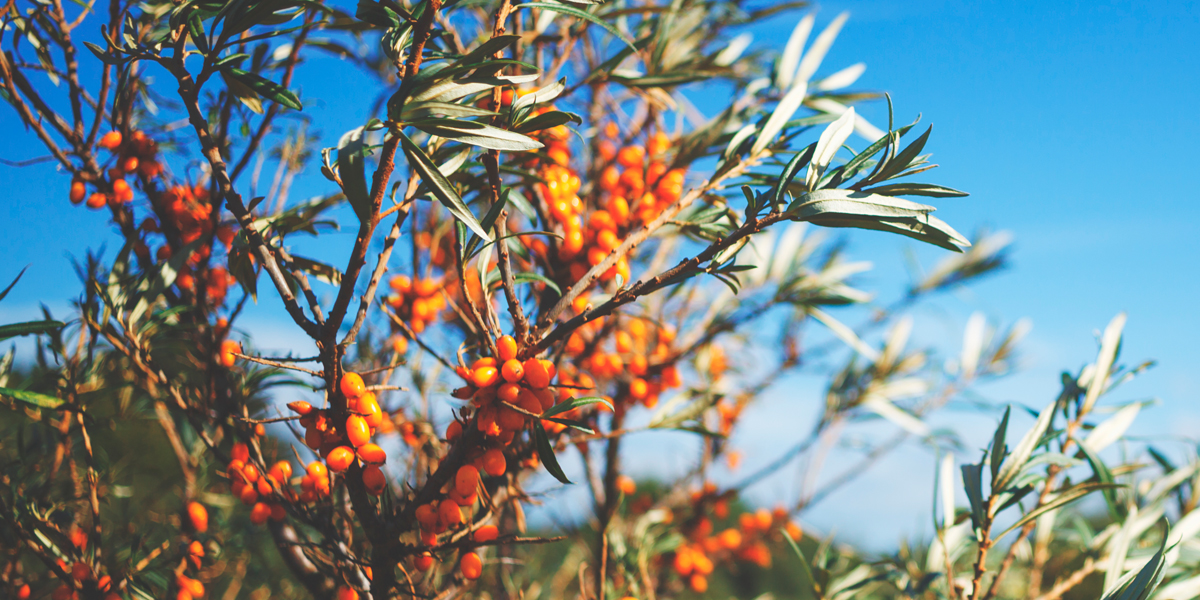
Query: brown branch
280	365
381	266
1062	587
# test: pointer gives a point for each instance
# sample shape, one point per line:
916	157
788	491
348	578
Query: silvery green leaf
737	141
946	485
973	335
850	202
477	134
900	417
844	78
448	90
1111	429
1110	344
424	110
844	333
926	228
816	53
916	189
733	51
785	71
828	144
787	107
542	96
1057	501
1024	449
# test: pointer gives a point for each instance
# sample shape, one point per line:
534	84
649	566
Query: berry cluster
134	156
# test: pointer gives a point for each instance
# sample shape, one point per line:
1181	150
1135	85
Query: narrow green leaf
916	189
28	327
34	398
546	453
352	171
574	403
440	187
787	107
266	88
1058	501
14	283
1024	449
477	134
999	447
575	12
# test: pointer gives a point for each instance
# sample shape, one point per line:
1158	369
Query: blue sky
1071	124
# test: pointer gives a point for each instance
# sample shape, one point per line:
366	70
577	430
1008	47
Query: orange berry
78	191
317	470
300	407
698	583
465	480
196	548
427	517
639	389
512	370
352	385
509	392
110	140
424	561
402	284
372	454
730	539
626	485
631	156
470	565
486	533
357	430
453	430
373	479
24	592
198	515
494	463
536	374
449	513
260	513
485	376
340	459
369	407
506	348
345	593
97	200
281	471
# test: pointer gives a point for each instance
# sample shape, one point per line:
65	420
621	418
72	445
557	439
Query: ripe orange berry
196	548
198	515
374	479
494	463
453	430
369	407
357	430
352	385
485	376
506	348
317	470
638	388
449	514
97	200
536	374
486	533
340	459
470	565
24	592
372	454
427	516
110	140
300	407
698	583
78	191
631	156
345	593
730	538
466	480
260	513
626	485
512	370
424	561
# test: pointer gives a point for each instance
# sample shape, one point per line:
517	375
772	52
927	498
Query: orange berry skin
260	513
317	470
506	348
470	565
357	430
300	407
453	430
352	385
698	583
494	463
424	562
97	200
465	480
198	515
512	371
110	140
196	548
24	592
374	479
78	192
449	514
372	454
485	376
626	485
486	533
631	156
427	516
340	459
345	593
240	452
369	407
536	375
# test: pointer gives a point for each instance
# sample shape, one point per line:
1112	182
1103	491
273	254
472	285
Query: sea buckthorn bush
572	223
